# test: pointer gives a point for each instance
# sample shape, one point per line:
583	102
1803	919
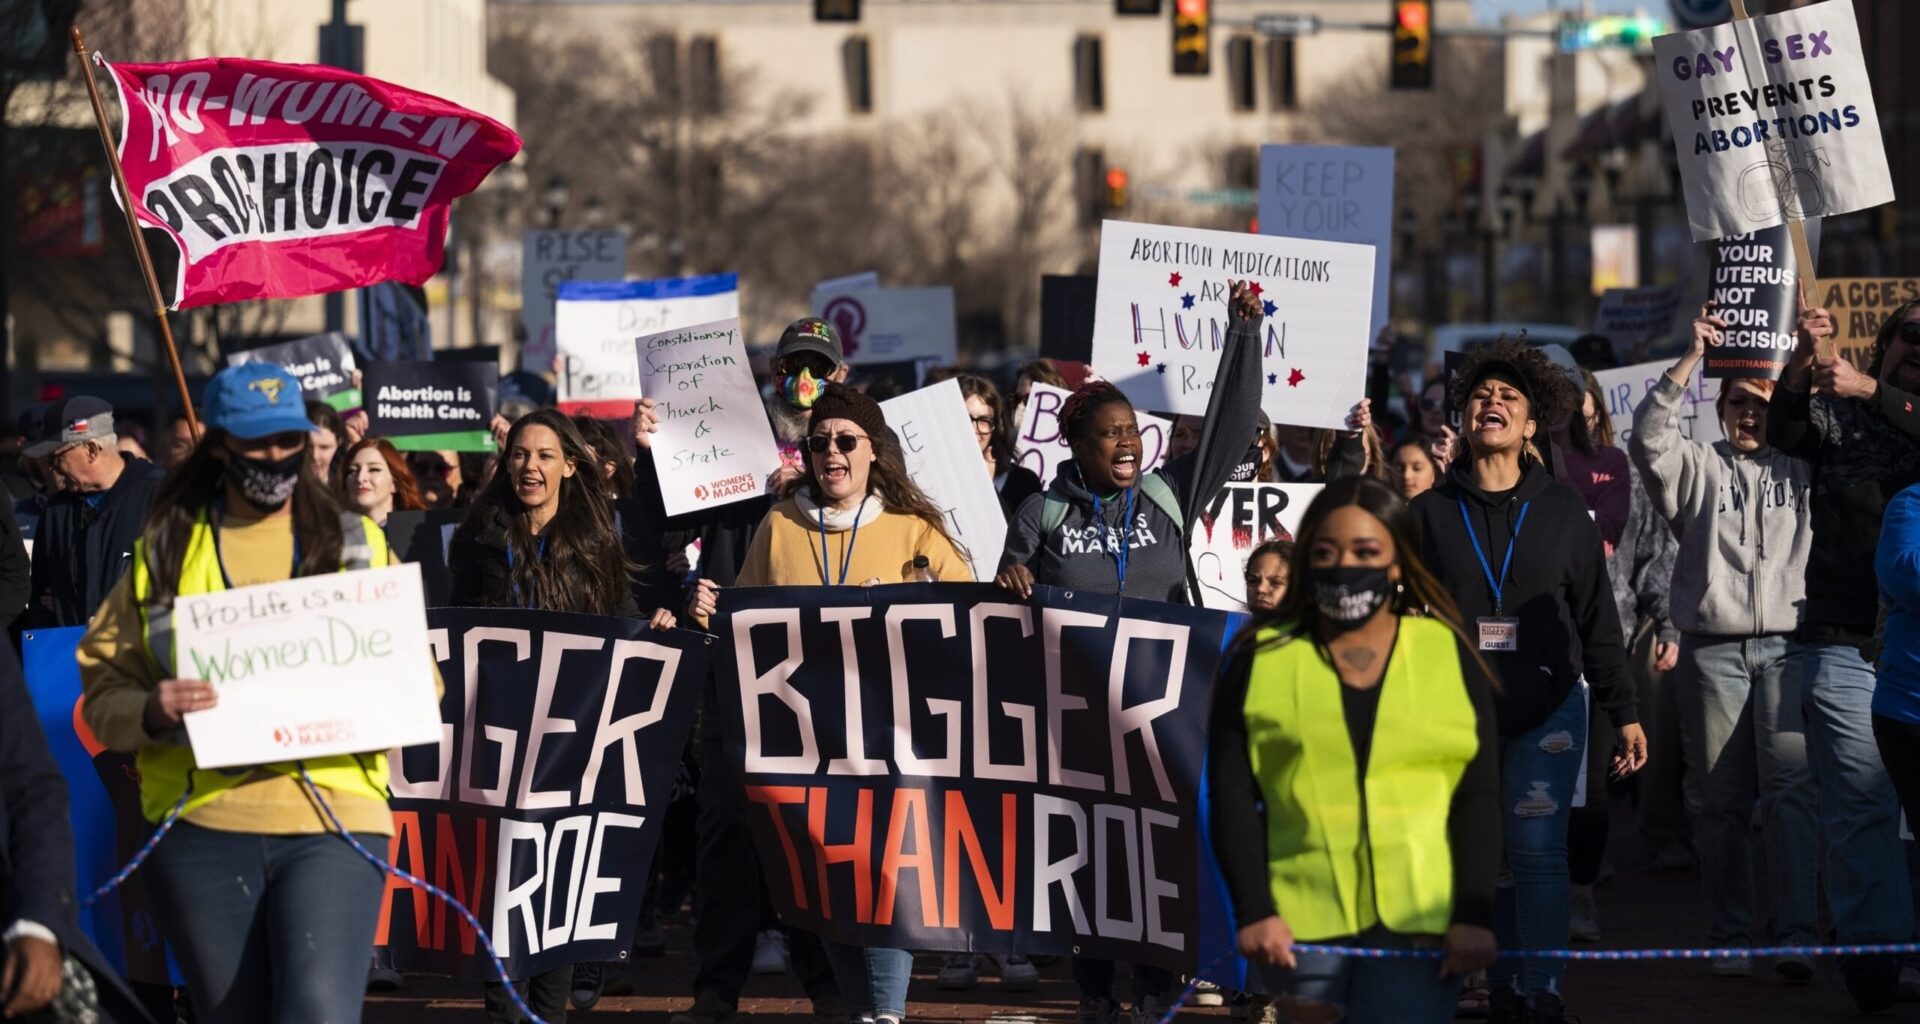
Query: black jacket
482	577
16	583
80	552
1559	591
36	843
1862	454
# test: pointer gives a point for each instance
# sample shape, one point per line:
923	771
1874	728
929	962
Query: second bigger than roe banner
940	768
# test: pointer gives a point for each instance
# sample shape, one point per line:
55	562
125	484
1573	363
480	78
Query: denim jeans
1867	888
1407	991
872	981
1538	770
268	928
1746	732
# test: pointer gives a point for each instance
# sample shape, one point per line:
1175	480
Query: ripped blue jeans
1538	771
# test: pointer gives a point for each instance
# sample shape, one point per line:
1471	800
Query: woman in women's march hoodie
1524	559
1740	510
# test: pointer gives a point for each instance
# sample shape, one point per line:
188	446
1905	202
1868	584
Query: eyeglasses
845	442
983	424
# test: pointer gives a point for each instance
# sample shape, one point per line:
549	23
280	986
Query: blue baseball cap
255	400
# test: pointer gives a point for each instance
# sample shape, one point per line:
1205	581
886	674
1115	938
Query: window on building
1089	87
663	65
1240	91
855	55
703	74
1280	74
1090	186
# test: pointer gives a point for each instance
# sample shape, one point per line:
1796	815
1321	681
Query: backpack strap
1156	489
1053	512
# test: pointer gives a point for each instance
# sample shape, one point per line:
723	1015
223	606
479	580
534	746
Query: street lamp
557	195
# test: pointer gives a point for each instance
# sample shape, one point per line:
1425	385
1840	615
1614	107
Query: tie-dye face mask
801	389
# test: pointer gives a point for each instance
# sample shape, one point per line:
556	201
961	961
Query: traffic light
1190	37
1117	188
836	10
1412	44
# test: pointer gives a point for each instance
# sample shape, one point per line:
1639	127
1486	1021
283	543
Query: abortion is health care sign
1161	321
595	325
310	667
1773	120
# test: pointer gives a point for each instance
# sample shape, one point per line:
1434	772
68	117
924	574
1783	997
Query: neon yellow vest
1325	884
167	769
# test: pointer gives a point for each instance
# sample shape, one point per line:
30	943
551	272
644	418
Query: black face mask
1348	596
266	483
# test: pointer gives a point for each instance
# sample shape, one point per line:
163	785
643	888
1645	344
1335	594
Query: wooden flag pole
139	239
1797	231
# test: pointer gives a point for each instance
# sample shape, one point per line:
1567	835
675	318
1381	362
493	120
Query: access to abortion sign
1773	119
307	667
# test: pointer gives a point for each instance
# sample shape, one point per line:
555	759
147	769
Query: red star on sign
1145	359
1174	279
1254	287
1294	378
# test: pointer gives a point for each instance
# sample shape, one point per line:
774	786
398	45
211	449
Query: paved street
1641	908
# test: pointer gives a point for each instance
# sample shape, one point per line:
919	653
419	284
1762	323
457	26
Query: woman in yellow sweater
856	518
270	917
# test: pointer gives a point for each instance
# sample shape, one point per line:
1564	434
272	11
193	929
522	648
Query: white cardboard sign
596	322
943	457
892	325
714	445
548	258
1773	120
1238	519
1626	387
1042	446
1160	318
309	667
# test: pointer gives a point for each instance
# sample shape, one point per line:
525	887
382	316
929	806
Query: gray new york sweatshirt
1742	521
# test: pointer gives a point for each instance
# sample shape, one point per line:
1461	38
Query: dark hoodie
1559	590
482	577
82	547
1082	554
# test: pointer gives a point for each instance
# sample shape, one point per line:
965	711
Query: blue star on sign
1273	378
1161	368
1268	307
1186	301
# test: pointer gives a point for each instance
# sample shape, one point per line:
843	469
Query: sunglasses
1432	405
845	442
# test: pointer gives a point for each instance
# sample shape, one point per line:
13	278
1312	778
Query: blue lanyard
540	555
1126	536
1506	566
216	513
846	555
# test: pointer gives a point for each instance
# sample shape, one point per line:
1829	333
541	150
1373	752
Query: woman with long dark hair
856	518
1524	559
1352	774
1014	483
269	915
540	535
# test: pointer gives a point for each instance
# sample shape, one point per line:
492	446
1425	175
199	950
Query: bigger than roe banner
937	767
282	180
541	805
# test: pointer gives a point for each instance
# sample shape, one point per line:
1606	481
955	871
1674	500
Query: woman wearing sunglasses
856	518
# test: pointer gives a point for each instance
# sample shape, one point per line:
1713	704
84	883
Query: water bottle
922	571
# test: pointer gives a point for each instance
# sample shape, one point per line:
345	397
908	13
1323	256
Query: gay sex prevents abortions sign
539	800
595	324
1773	120
309	667
282	180
1161	321
937	767
714	445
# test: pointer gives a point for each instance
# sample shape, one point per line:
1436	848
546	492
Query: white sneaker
1584	921
1909	984
770	953
959	972
1206	993
1733	967
1017	973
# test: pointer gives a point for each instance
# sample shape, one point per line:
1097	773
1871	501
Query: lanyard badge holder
1498	632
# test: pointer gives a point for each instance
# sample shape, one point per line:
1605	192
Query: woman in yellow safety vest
1352	777
270	917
